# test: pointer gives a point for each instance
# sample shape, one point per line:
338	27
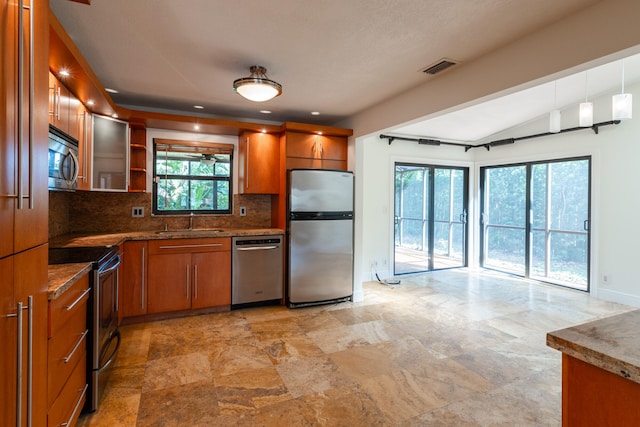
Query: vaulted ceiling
334	57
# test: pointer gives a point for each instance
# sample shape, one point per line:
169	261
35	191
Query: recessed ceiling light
111	90
199	107
319	132
315	113
64	73
265	111
90	102
196	127
264	131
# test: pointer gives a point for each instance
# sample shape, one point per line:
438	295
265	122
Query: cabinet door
59	101
211	279
259	160
134	286
76	111
110	154
84	150
169	282
31	220
8	338
316	146
30	280
8	129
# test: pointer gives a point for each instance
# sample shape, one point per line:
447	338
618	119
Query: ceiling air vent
439	66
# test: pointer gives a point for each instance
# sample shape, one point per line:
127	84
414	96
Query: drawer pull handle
75	347
75	409
210	245
76	302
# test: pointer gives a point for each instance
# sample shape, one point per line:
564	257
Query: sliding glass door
535	220
430	217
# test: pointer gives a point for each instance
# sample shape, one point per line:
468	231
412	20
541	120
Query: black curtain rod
424	141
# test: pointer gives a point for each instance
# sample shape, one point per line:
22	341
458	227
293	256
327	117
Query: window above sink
191	177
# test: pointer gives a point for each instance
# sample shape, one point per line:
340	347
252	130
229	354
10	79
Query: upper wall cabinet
316	151
109	154
65	110
258	163
138	159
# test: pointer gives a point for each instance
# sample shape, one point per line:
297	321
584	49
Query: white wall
615	191
374	197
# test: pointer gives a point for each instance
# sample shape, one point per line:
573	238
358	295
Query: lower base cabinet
186	274
67	354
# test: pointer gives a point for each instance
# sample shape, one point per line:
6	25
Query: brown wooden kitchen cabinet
84	148
185	274
258	163
304	146
23	212
316	151
23	285
67	375
134	279
137	158
59	104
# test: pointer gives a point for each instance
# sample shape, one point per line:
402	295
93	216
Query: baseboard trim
619	297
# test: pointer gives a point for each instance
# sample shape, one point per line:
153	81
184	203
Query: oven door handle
113	354
110	269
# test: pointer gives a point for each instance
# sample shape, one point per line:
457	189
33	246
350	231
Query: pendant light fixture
257	87
586	108
622	104
555	116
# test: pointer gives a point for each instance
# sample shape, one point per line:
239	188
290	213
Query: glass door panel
558	247
411	219
430	218
560	214
504	218
449	218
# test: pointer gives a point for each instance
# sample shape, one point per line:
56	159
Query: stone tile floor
447	348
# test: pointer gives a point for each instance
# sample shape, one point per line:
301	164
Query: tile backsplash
104	212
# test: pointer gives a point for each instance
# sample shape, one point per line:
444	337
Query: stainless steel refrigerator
320	231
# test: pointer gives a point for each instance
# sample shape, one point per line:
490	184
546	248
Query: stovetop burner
95	254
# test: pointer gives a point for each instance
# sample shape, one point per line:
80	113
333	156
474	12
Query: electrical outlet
606	278
137	212
243	211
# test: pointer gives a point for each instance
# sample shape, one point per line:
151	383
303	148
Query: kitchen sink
192	231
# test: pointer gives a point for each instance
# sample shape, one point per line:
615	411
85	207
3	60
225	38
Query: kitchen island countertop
611	344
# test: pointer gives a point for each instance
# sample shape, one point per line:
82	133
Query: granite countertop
612	343
63	276
114	239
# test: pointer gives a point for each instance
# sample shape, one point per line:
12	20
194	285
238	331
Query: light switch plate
137	212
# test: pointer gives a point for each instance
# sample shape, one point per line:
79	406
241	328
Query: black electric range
95	254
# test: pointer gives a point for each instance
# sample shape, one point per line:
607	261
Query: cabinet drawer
189	245
67	407
64	307
66	348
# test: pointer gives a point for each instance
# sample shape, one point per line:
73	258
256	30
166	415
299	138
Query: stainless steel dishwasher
257	276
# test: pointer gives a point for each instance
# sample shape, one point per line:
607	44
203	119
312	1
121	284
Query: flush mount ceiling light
257	87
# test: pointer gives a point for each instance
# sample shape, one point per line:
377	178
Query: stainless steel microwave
63	161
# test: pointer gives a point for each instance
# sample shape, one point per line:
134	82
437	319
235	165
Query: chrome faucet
191	221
